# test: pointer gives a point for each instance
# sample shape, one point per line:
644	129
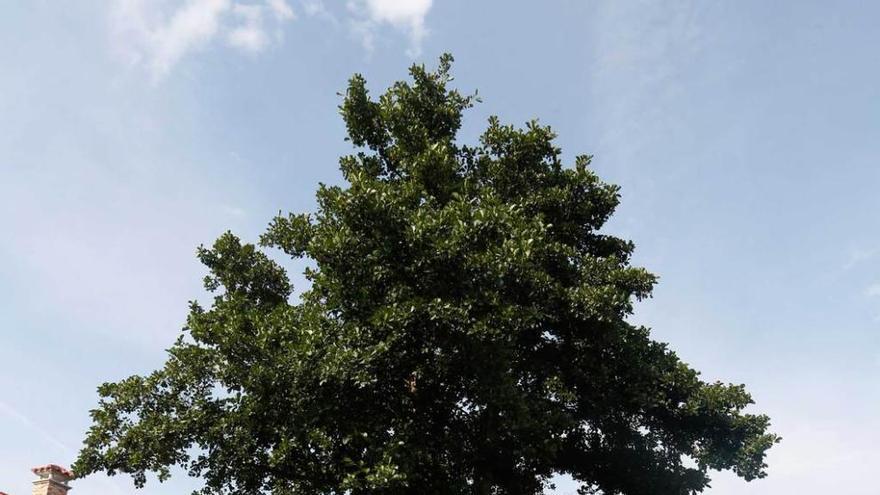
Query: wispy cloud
857	256
407	16
873	290
159	36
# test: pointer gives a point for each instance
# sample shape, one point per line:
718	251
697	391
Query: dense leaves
464	332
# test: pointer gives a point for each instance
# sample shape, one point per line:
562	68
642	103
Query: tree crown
465	331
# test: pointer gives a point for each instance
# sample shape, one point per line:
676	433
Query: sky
744	136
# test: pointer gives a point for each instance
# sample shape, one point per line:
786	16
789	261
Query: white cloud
402	13
159	35
190	27
405	15
873	290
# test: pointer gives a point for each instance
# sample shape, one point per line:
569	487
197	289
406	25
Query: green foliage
464	332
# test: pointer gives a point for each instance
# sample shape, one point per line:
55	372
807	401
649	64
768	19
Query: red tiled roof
52	468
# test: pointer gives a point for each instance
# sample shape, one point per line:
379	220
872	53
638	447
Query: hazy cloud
249	35
641	50
281	10
316	8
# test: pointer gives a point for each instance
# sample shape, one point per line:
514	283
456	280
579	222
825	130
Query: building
51	480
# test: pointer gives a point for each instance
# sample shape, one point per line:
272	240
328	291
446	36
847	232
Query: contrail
8	410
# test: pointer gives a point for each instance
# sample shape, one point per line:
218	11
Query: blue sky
744	135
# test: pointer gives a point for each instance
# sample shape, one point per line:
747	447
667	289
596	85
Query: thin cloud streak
20	418
8	411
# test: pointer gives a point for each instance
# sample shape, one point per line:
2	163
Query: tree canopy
465	330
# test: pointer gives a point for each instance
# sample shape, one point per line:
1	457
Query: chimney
52	480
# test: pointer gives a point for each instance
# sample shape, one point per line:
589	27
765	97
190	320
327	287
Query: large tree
465	331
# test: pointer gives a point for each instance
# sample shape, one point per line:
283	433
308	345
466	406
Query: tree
465	331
